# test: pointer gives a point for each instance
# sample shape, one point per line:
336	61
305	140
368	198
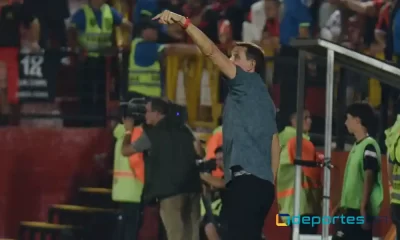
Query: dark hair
366	115
159	105
254	52
218	149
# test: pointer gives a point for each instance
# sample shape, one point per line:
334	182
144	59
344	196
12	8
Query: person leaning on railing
91	30
144	78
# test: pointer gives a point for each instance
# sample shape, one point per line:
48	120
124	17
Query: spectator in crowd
331	29
231	11
326	9
52	15
382	25
92	30
145	72
262	28
261	12
12	16
203	16
368	12
171	175
296	22
225	37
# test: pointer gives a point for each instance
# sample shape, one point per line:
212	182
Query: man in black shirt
12	16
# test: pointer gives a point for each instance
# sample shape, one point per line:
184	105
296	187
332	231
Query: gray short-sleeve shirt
249	124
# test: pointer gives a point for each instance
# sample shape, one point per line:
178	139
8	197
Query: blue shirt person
147	50
296	20
78	19
147	8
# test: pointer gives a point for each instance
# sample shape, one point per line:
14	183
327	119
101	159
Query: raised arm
207	47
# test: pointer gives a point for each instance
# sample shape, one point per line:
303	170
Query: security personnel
94	24
392	144
362	191
311	191
144	65
127	185
91	30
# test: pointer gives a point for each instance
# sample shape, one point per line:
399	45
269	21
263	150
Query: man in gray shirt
250	140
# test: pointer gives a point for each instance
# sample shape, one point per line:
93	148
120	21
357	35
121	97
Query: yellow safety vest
144	80
395	193
95	39
126	187
392	142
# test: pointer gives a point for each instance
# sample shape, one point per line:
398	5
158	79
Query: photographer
171	175
127	176
216	184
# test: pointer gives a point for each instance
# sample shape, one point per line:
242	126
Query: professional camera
134	108
206	166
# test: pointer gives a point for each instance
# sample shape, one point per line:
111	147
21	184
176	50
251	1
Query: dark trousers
248	200
128	222
352	231
395	213
92	89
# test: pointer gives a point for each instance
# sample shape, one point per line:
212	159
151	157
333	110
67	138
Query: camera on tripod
206	166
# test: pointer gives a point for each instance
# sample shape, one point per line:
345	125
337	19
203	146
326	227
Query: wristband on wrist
128	132
186	24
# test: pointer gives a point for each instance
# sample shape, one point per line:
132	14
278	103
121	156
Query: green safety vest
392	142
125	188
286	178
95	39
216	207
217	130
352	190
144	80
